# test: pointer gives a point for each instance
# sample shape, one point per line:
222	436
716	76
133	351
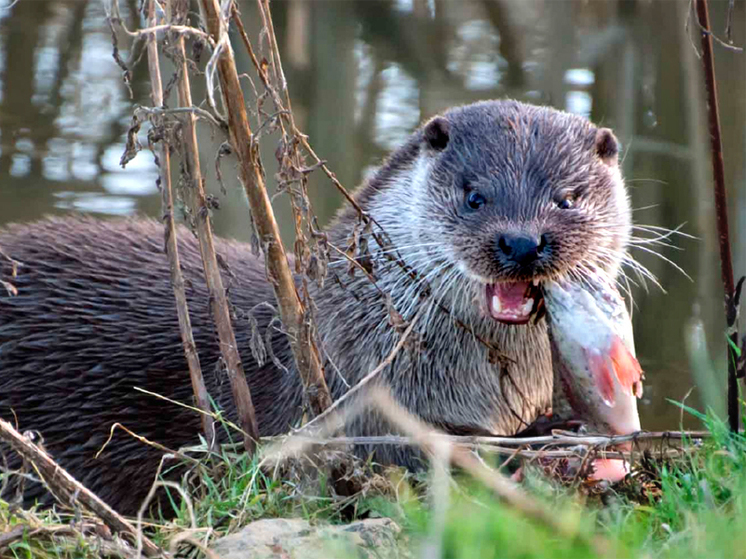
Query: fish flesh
597	376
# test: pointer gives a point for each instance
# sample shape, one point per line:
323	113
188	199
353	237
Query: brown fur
95	316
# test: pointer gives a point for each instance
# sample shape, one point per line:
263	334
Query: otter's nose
520	249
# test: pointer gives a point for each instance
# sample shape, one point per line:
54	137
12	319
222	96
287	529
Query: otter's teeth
496	305
528	306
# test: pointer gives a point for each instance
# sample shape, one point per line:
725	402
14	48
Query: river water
363	74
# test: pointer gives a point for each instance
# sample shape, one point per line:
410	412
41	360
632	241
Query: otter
483	203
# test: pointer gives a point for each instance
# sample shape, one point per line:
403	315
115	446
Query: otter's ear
607	146
436	133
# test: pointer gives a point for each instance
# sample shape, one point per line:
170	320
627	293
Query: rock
283	538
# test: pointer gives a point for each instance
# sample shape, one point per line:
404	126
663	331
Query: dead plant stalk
721	209
172	248
292	312
218	299
66	489
559	439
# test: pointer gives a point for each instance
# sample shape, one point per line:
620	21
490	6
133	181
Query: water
363	74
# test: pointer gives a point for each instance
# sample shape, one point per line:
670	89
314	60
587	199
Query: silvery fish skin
598	377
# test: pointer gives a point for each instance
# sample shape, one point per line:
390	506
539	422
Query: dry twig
721	210
560	439
66	489
292	312
581	451
172	248
203	225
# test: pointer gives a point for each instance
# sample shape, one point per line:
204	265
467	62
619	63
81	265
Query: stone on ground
283	538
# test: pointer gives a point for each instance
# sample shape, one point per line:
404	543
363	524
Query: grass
690	507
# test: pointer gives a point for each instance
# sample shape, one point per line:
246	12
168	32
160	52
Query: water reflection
364	73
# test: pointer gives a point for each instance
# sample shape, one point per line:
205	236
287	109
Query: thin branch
517	451
721	209
176	29
66	489
560	439
292	311
705	29
213	279
172	249
207	115
358	266
303	138
729	21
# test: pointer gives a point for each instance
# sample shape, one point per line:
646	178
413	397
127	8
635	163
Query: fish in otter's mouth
513	302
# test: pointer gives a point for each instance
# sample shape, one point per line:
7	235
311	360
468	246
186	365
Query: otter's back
93	318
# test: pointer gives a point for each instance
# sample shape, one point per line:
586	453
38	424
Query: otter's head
512	195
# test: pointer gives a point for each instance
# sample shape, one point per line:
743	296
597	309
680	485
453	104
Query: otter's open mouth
513	302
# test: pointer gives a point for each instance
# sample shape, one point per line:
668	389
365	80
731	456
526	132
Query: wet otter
484	202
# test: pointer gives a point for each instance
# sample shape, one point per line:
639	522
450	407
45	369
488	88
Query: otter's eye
567	201
475	200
